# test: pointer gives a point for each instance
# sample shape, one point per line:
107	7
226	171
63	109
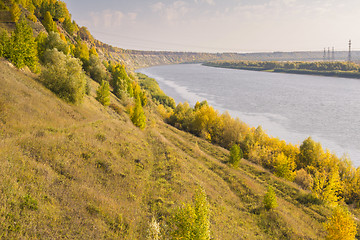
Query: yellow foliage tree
15	12
341	225
327	185
284	167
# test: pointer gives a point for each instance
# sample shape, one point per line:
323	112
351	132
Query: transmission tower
324	54
329	56
333	54
349	57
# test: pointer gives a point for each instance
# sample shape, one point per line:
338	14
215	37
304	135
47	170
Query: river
288	106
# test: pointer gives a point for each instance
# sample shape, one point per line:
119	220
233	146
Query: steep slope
86	172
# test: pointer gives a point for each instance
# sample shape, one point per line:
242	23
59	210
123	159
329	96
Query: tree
22	47
103	93
327	185
97	70
64	76
41	43
15	12
247	144
61	11
270	199
120	79
82	52
310	153
341	225
192	220
4	43
53	40
93	52
232	130
284	167
235	155
137	115
49	23
69	26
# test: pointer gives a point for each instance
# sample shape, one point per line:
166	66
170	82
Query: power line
349	57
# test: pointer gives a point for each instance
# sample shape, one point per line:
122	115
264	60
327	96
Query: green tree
4	43
137	115
284	167
15	12
51	41
23	48
202	212
235	155
270	199
119	80
54	41
310	153
64	76
341	225
41	43
192	221
247	144
103	93
69	26
182	117
49	23
61	11
82	52
97	70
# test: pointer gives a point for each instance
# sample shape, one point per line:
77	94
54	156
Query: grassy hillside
86	172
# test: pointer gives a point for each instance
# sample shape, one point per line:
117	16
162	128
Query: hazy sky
221	25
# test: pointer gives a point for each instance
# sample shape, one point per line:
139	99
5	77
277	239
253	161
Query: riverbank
279	103
271	67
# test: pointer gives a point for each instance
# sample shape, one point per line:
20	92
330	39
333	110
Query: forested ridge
91	150
324	68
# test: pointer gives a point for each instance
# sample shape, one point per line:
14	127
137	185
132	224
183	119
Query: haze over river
289	106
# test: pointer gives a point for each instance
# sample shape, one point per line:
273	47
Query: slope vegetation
86	172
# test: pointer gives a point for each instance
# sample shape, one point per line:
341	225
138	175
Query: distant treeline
338	69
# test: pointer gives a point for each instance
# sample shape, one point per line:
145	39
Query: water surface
289	106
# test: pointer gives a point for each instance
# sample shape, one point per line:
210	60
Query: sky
221	25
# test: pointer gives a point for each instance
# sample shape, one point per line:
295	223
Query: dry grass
85	172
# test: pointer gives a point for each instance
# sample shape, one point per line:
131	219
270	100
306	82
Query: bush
97	70
103	93
54	41
235	155
304	179
137	115
270	199
192	221
29	203
309	198
64	76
